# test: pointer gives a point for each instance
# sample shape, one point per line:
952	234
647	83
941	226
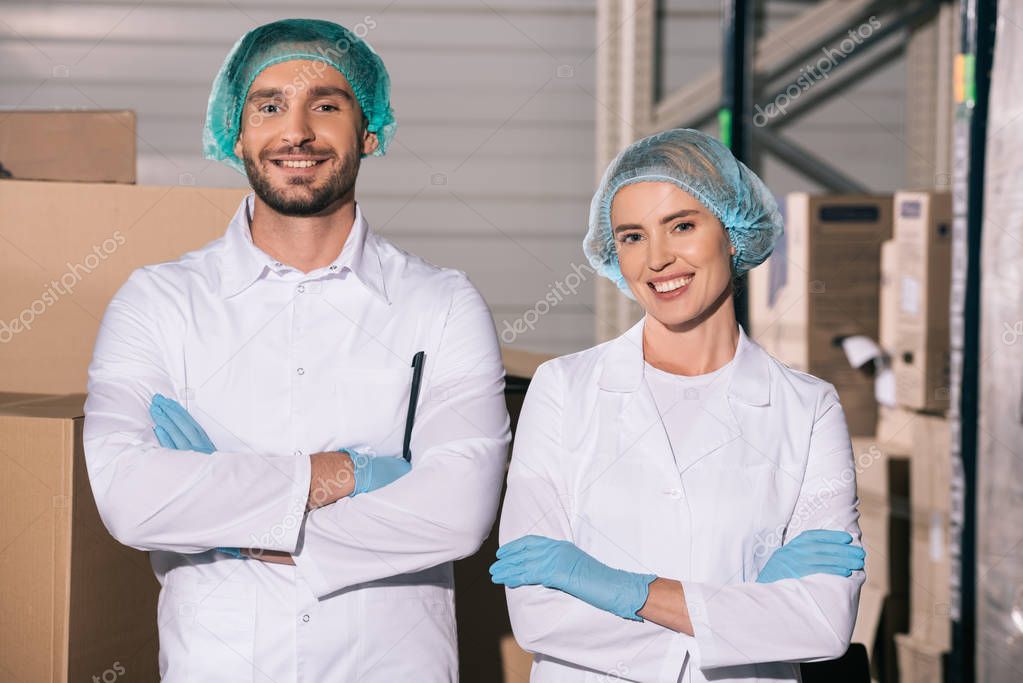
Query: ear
370	143
731	249
238	146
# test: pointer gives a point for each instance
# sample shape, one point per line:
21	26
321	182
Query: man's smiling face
302	136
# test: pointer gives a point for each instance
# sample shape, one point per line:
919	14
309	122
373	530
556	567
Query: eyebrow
328	91
314	91
665	219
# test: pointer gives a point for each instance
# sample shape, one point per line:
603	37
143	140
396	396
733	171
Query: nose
297	130
659	255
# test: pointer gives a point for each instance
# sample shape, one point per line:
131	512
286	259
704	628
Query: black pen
410	416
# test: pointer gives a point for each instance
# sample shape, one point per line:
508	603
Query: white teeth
297	164
672	285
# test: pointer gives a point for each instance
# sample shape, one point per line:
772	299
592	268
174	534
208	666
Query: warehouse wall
493	165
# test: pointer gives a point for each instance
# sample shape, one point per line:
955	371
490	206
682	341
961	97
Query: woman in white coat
681	506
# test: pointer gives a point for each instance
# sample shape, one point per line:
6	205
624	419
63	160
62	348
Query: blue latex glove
375	471
818	551
176	429
537	560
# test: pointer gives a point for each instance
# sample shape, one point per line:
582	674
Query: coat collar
243	263
750	382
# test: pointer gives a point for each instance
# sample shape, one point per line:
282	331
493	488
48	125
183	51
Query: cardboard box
881	472
882	484
821	284
930	594
895	429
930	506
69	247
931	465
884	529
923	238
76	604
919	662
888	304
94	146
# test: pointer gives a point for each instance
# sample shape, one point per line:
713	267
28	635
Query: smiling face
302	136
674	253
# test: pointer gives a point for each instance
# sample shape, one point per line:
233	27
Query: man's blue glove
818	551
537	560
375	471
176	429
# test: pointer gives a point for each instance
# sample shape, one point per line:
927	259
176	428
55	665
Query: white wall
493	165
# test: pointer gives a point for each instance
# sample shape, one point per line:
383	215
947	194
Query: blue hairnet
286	40
704	168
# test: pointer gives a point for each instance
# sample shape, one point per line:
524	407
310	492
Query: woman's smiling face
673	253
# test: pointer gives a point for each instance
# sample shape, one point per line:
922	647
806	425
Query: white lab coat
592	464
276	364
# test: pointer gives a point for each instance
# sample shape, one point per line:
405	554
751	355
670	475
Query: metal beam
834	86
828	88
698	102
734	117
976	55
807	163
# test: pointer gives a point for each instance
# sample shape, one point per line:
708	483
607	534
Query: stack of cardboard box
882	478
878	267
914	433
923	222
77	605
821	285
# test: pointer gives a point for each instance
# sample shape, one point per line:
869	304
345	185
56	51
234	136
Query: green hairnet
704	168
286	40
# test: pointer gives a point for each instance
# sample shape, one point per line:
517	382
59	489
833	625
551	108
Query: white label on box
909	295
937	537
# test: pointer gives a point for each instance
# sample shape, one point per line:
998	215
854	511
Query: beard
310	203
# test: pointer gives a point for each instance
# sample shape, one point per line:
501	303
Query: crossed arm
568	606
333	475
155	498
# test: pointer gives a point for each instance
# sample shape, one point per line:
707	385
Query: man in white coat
252	395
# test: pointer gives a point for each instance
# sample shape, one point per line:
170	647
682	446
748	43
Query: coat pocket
370	408
221	637
408	632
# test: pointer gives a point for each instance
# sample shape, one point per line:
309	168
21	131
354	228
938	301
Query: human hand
817	551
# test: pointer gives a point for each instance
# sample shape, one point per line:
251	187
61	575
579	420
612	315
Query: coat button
301	371
305	617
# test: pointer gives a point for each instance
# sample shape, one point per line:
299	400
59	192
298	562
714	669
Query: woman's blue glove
532	560
818	551
176	429
376	471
